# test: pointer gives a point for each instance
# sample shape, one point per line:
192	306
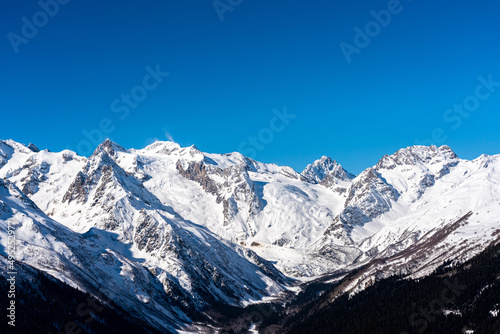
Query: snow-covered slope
89	262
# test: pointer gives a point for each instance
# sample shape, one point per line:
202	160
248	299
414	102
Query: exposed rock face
109	147
88	177
149	235
33	147
197	172
368	197
234	186
36	173
138	170
76	191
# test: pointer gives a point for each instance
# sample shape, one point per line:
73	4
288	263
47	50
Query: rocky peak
192	152
109	147
236	187
418	155
323	168
99	164
371	185
33	147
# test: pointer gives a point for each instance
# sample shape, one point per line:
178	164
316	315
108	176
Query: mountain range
172	238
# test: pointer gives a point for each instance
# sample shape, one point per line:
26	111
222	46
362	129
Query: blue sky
229	79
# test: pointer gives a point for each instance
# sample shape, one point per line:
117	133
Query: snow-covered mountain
224	228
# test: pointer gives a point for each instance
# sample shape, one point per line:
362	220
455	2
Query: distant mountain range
173	239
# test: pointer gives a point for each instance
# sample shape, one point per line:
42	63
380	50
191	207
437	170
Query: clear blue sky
226	76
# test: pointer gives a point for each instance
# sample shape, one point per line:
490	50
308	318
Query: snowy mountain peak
9	144
368	197
161	147
418	155
9	148
323	168
109	147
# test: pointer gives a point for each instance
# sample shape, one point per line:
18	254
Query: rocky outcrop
33	147
368	197
233	189
76	191
36	173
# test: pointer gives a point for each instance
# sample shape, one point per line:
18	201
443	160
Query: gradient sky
226	76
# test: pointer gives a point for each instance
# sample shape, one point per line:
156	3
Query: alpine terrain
169	239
